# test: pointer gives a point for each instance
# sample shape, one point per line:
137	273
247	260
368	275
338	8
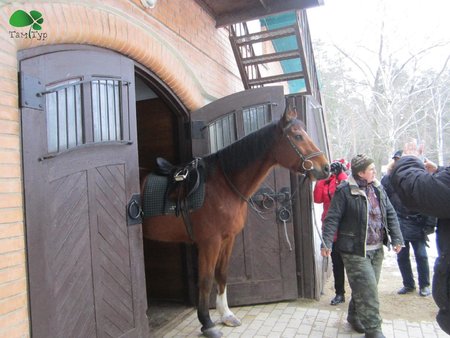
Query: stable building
91	93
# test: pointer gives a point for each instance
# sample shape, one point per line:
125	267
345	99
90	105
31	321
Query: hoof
231	321
212	332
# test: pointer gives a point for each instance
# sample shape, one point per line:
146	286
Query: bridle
305	159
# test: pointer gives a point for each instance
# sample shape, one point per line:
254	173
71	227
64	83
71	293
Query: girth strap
182	180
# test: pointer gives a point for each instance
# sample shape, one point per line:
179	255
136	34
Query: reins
237	192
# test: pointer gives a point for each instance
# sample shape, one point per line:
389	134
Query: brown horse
233	175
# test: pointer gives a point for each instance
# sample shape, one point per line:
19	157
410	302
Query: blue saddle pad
155	203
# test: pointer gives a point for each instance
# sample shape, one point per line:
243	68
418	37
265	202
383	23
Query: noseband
305	159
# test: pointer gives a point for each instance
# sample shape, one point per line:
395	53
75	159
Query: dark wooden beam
233	11
256	12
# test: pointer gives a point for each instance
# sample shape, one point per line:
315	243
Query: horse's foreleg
227	316
207	259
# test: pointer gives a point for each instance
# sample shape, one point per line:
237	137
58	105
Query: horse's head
297	151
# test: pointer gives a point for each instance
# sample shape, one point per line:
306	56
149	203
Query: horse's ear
290	113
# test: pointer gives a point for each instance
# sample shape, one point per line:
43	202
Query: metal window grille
106	112
222	132
255	118
64	116
66	121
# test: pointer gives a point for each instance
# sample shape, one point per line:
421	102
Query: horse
233	174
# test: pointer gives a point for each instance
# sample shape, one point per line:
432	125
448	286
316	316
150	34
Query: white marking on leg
222	304
226	316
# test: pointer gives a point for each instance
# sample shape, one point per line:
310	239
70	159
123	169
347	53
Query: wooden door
262	267
85	258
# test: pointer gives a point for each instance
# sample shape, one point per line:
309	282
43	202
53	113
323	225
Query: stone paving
301	319
290	319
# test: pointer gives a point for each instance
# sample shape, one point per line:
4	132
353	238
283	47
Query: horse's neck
248	180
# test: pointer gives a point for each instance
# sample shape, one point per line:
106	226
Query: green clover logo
21	18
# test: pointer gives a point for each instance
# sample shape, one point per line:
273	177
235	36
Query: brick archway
130	32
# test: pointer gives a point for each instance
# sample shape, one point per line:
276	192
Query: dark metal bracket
30	88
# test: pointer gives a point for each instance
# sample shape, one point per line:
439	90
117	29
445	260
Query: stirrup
181	175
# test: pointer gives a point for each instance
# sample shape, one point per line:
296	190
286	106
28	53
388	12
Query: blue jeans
404	264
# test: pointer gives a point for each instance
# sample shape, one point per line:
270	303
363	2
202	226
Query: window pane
52	122
62	119
222	133
106	110
64	116
255	118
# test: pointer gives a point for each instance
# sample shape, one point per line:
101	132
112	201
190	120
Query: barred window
255	118
68	120
222	132
64	116
106	110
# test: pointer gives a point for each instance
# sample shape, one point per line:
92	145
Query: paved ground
403	316
291	319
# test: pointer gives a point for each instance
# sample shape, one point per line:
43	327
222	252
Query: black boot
337	300
443	319
352	318
356	324
375	334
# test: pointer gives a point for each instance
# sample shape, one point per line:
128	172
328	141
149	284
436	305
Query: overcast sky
410	24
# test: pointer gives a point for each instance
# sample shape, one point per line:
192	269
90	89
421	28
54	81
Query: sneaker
404	290
337	300
425	291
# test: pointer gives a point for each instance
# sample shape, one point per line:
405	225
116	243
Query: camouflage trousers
363	274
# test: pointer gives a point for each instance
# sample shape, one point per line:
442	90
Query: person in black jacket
415	227
428	192
364	219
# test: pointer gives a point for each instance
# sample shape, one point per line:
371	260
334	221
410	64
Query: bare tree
392	98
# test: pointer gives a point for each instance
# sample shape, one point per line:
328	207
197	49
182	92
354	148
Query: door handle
134	210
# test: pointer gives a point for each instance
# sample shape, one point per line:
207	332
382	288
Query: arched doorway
162	123
90	118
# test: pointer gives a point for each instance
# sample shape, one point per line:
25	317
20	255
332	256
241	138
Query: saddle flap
164	167
157	202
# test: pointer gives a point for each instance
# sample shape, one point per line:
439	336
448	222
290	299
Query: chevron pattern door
85	263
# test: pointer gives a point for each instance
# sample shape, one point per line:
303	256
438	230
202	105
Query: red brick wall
177	40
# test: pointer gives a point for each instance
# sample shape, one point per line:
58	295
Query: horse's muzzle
320	174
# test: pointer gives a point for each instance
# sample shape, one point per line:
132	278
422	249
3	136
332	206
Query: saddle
175	190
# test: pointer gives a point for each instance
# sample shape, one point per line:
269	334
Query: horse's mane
247	150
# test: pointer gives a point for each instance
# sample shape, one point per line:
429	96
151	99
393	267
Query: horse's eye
298	137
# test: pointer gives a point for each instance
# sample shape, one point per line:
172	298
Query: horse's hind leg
227	316
207	258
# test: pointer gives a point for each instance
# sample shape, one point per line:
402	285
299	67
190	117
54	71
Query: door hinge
30	89
197	128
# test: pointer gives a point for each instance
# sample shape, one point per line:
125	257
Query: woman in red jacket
323	192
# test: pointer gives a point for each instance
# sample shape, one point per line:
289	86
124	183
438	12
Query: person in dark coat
323	192
415	228
428	192
364	219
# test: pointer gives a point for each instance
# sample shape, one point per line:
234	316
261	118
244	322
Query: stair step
266	58
276	78
266	35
